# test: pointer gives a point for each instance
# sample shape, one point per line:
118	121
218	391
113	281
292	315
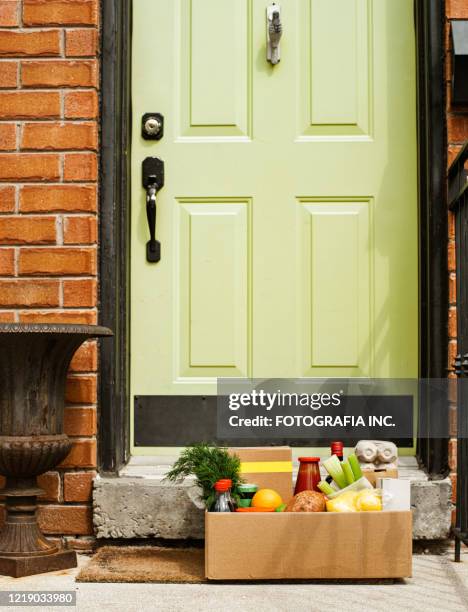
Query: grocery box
373	475
303	545
268	467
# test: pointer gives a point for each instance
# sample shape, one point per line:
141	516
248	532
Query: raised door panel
213	302
336	97
215	69
337	263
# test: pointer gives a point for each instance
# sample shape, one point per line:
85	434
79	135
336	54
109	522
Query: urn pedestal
34	361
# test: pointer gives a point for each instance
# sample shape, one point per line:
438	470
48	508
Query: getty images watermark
347	409
259	398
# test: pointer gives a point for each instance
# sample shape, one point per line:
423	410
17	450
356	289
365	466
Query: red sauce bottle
308	475
336	448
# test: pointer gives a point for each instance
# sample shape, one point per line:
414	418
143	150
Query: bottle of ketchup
308	475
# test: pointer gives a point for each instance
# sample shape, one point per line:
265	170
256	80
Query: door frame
114	226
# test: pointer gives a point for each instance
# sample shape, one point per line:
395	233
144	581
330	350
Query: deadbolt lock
152	126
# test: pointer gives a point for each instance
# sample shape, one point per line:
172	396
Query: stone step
140	503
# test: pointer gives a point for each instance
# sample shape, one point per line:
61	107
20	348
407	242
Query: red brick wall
457	135
48	213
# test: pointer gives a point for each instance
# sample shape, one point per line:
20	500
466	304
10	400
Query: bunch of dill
208	463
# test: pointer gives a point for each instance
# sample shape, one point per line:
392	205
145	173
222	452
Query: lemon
369	500
346	502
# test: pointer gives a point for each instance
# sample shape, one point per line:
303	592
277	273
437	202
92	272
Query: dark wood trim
115	240
114	233
433	218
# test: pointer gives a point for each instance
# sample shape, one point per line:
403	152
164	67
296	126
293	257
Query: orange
266	498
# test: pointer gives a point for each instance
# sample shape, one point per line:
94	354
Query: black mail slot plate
181	420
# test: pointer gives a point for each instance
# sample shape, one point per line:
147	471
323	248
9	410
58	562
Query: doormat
145	564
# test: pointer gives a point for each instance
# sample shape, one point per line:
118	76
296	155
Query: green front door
288	219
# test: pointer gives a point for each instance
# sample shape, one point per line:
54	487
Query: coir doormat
145	564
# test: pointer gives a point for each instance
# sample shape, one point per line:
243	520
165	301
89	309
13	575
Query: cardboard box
296	545
372	475
268	467
279	545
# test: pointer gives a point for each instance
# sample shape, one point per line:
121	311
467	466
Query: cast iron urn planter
34	362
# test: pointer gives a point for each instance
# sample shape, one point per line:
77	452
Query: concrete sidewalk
438	584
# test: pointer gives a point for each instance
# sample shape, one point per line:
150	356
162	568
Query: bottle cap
309	459
223	485
337	448
247	488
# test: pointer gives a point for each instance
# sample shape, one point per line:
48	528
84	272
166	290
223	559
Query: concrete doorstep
142	504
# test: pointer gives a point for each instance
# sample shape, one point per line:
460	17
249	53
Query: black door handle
153	181
153	246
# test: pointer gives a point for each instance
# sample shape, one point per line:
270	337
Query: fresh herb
208	463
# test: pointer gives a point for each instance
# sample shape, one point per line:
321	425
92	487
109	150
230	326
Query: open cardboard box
279	545
373	475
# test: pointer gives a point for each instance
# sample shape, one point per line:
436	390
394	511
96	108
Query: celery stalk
348	472
333	467
354	463
325	487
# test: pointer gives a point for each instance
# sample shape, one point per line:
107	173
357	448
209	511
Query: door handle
153	181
